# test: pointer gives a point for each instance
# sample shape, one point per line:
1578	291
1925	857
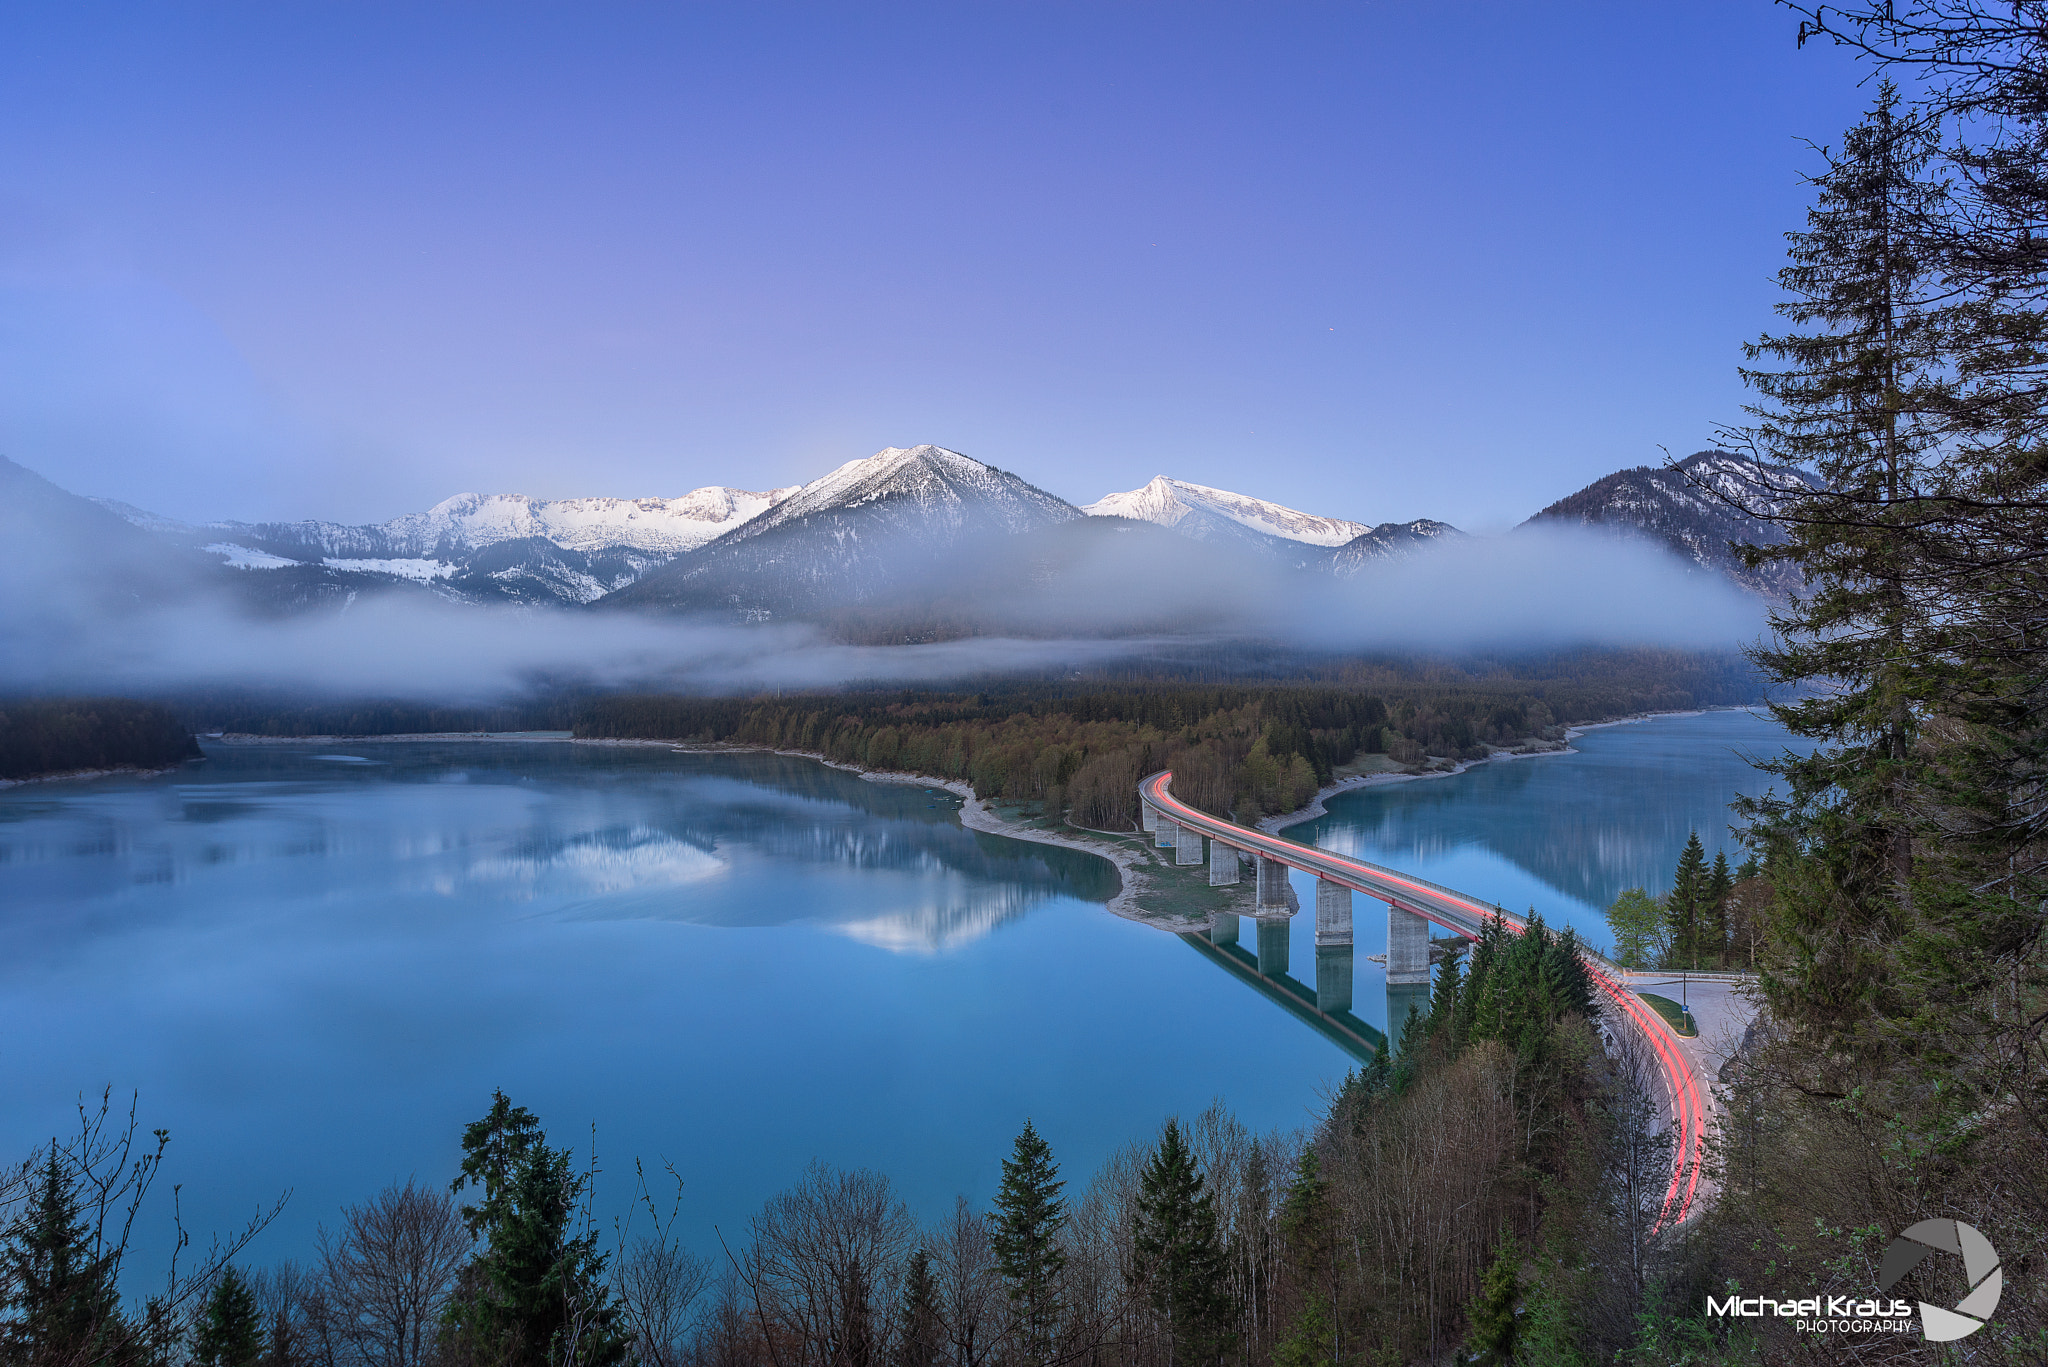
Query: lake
315	961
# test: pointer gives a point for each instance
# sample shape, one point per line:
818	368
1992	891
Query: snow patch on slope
247	557
422	571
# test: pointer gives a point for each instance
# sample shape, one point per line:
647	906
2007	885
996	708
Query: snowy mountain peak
1188	507
940	481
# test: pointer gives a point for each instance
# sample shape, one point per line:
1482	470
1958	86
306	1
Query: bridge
1413	905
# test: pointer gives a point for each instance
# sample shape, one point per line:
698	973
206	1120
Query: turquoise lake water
314	962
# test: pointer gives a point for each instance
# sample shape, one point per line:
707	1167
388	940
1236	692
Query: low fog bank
418	648
1538	588
1037	607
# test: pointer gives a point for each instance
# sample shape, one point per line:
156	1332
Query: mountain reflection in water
645	833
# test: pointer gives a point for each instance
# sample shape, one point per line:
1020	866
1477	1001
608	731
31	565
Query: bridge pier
1333	913
1407	947
1222	928
1333	977
1222	864
1273	947
1148	816
1189	848
1272	885
1166	833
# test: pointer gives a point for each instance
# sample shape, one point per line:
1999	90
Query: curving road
1465	915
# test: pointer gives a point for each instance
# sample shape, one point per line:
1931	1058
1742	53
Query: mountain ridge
1669	505
888	532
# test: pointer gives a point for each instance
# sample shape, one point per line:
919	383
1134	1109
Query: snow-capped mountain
917	543
483	546
669	525
1691	507
927	487
1388	541
1207	514
865	528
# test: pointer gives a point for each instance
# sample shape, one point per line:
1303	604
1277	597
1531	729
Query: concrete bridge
1413	905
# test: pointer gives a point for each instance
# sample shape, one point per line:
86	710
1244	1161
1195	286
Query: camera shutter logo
1980	1265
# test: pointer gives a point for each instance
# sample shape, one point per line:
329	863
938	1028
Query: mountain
1208	514
481	547
667	525
1388	541
862	532
1686	507
60	553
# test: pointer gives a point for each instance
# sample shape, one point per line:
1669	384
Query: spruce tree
1492	1312
921	1339
1858	404
1929	940
1177	1252
62	1305
536	1294
1715	924
1029	1216
1308	1341
229	1332
1686	906
1308	1229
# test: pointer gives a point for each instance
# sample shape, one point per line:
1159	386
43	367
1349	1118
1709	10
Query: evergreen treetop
1030	1213
1177	1251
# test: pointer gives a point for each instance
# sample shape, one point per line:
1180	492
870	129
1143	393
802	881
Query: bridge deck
1467	915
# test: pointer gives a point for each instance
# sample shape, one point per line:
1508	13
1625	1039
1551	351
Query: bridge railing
1481	907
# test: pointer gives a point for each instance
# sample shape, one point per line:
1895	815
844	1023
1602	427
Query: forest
1239	750
41	736
1249	732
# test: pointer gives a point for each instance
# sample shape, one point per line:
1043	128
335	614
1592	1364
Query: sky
1372	260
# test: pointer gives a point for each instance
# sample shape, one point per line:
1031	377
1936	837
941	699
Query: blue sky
1378	261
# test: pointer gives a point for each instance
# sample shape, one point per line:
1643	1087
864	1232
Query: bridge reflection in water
1324	1007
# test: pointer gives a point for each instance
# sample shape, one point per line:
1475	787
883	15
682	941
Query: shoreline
977	813
74	775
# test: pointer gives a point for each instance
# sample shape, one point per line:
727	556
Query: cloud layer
1113	599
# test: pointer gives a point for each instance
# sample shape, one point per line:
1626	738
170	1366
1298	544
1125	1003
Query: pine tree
62	1305
1177	1253
229	1332
1029	1216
